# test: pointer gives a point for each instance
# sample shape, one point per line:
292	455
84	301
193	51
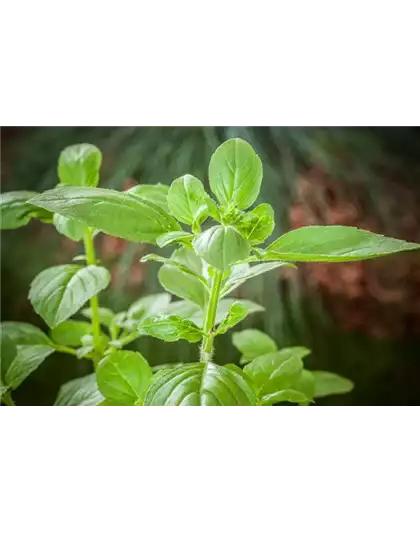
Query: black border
271	420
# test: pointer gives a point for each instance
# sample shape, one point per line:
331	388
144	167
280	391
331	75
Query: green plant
209	262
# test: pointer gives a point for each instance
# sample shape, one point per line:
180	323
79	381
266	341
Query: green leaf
285	395
128	216
187	199
222	308
27	359
275	371
243	272
183	308
176	264
252	343
335	244
166	366
174	237
327	383
69	227
124	376
15	212
80	391
257	225
200	384
154	193
221	246
79	165
306	384
22	333
235	174
236	313
239	371
146	306
170	328
185	283
59	292
70	333
106	315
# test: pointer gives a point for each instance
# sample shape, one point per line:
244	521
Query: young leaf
176	264
200	384
22	333
306	384
150	305
276	371
252	343
80	391
174	237
170	328
235	174
242	272
257	225
70	333
187	199
334	244
327	383
222	308
221	246
15	212
106	315
69	227
59	292
154	193
236	313
185	283
183	308
124	376
128	216
27	359
79	165
285	395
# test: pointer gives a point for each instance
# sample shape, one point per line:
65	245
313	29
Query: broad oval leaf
187	199
221	246
236	313
124	376
69	227
200	384
243	272
275	371
27	359
182	283
106	316
170	328
335	244
70	332
252	343
174	237
306	384
15	212
22	333
79	164
157	193
59	292
328	383
257	225
235	174
128	216
285	395
80	391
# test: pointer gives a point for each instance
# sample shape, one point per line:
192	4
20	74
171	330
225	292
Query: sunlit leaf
70	332
327	383
252	343
187	199
236	313
258	224
170	328
15	212
79	165
80	391
70	228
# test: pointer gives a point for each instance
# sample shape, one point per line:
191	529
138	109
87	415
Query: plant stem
65	349
206	352
129	338
94	304
7	399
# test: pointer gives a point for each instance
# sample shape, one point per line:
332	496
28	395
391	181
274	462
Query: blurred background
361	320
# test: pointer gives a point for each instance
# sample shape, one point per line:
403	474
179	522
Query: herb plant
218	247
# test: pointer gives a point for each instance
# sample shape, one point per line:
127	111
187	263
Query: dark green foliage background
385	372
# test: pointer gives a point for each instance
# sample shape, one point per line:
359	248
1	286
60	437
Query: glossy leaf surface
157	194
258	224
80	391
252	343
70	332
328	383
187	199
174	237
170	328
15	212
236	313
243	272
79	165
27	359
69	227
285	395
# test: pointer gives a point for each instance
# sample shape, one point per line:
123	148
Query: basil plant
216	244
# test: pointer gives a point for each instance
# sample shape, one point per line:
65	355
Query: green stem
206	352
65	349
129	338
7	399
94	303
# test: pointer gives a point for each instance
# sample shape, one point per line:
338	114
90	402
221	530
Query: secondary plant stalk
7	399
94	303
206	352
